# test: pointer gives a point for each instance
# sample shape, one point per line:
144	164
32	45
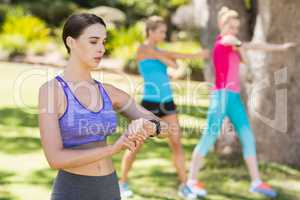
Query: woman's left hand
141	129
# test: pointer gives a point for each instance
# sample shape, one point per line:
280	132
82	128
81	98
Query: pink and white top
226	62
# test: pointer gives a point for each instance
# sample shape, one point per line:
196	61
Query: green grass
25	175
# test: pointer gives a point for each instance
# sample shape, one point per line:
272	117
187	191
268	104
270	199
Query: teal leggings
227	103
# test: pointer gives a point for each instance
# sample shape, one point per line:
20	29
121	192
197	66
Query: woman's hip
69	186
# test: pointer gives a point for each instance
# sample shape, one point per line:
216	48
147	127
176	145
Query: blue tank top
156	81
79	125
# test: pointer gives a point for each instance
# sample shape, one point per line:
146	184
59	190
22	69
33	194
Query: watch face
157	124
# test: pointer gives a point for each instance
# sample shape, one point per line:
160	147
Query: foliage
122	42
135	10
4	9
21	31
54	12
248	4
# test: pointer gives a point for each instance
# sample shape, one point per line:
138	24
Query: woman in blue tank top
158	97
77	114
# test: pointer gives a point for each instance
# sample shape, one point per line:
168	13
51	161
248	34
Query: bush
123	43
4	9
13	44
21	31
131	66
196	67
30	27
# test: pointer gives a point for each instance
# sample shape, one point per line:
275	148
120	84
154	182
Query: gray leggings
68	186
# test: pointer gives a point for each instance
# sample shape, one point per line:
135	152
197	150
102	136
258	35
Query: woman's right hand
124	143
135	135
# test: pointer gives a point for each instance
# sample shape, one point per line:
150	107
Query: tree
273	84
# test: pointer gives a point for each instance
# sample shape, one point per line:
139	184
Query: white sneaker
185	192
125	190
197	188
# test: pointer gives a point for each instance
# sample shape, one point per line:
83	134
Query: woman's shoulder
51	91
111	90
230	40
142	52
49	85
116	95
144	48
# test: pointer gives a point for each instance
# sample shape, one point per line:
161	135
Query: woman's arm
266	46
130	109
169	62
174	55
234	41
162	54
57	156
146	53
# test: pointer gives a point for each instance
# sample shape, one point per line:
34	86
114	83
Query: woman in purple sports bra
77	114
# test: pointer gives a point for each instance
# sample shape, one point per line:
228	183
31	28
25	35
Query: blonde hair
225	14
153	22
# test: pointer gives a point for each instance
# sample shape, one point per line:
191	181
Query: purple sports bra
79	125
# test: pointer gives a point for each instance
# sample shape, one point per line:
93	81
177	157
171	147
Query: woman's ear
70	42
150	32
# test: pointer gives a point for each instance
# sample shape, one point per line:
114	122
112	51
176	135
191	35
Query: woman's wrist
114	149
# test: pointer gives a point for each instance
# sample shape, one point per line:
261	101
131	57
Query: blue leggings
227	103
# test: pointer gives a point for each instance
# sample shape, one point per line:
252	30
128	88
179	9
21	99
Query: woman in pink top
226	102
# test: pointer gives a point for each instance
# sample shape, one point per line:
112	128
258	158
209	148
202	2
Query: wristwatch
157	124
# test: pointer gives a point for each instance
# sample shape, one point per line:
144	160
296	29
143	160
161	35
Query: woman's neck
150	42
76	71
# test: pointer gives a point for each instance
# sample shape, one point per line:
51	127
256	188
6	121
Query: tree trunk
273	87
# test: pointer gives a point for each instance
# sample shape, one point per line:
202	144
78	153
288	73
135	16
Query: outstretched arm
163	54
234	41
174	55
267	47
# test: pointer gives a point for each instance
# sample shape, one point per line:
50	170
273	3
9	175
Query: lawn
25	175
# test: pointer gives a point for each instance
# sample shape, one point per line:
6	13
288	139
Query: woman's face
159	34
232	27
89	46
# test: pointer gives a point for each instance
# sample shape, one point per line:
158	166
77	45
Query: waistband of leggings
79	177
